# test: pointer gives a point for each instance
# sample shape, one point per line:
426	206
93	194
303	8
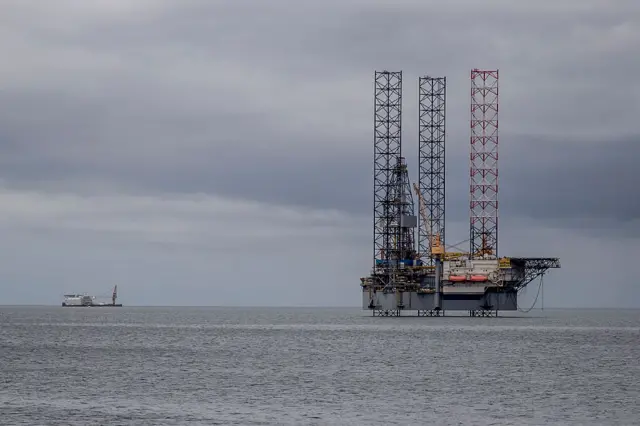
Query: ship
88	301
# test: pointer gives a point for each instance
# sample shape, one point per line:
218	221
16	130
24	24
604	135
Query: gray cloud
273	102
576	180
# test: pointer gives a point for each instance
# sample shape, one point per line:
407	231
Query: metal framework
532	268
387	154
484	162
399	280
431	159
403	219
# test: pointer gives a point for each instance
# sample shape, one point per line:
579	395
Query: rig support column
386	157
484	162
437	302
431	159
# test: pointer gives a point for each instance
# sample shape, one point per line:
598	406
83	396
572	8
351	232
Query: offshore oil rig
419	274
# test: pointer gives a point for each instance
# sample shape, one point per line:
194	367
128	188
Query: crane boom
435	247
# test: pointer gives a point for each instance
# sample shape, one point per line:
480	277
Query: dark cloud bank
274	103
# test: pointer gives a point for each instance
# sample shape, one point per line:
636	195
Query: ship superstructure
78	300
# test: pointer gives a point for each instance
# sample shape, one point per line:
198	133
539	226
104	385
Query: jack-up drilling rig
418	274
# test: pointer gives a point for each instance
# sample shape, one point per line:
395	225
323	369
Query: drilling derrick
403	221
431	160
484	163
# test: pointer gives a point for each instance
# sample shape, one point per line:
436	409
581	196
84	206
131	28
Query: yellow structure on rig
437	248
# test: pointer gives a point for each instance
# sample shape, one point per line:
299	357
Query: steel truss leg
483	313
431	313
386	312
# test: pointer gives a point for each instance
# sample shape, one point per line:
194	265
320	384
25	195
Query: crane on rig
436	248
435	245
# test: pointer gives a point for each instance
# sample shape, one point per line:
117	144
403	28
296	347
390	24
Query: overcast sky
220	152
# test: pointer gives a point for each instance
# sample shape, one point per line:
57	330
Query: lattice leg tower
484	162
387	154
431	158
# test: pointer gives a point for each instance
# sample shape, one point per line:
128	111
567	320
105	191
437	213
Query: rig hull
450	300
480	286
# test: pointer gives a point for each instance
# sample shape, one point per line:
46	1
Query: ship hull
119	305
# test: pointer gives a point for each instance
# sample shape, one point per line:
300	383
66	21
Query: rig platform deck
416	290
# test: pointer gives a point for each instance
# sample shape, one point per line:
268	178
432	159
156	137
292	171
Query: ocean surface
299	366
